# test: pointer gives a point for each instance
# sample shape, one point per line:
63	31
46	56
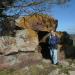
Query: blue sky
66	17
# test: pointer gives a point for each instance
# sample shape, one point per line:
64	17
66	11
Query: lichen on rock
37	22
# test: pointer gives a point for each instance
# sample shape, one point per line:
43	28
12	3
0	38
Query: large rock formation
33	33
20	50
25	40
37	22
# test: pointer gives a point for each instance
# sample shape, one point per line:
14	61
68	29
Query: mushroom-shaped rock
38	22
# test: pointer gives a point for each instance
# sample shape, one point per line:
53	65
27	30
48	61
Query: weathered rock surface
25	40
37	22
19	60
7	45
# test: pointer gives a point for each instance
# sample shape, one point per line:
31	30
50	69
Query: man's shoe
57	64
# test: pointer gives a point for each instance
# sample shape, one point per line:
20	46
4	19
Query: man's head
53	32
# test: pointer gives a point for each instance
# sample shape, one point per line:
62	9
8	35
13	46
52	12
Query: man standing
53	41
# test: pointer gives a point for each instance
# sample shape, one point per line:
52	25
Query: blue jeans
54	57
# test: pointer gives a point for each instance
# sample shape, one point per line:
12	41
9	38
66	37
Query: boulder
19	60
26	40
38	22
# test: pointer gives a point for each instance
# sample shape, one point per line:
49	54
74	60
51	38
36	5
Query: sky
65	14
66	17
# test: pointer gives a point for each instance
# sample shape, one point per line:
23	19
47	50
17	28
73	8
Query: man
53	41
